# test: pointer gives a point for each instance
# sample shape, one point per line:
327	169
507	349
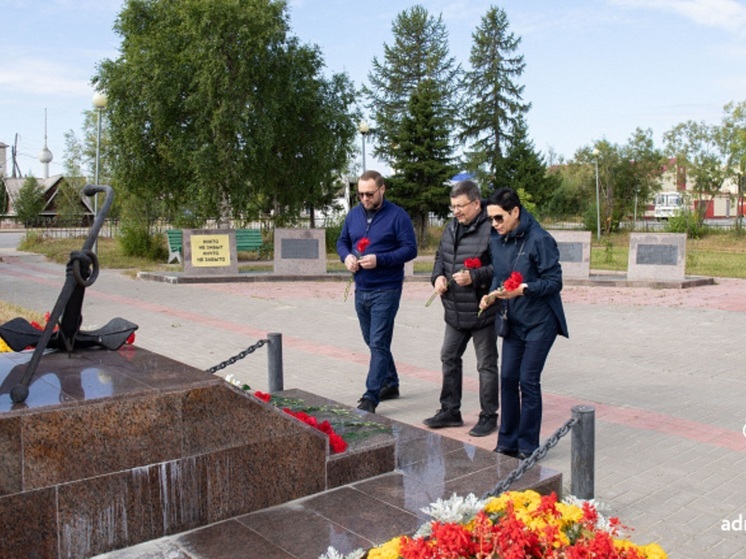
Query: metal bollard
583	452
274	362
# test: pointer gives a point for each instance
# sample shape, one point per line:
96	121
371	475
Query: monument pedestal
115	448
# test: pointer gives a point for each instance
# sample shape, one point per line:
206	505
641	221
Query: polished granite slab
115	448
356	516
129	454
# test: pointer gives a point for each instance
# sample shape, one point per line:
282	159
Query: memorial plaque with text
210	252
300	248
574	253
661	255
570	252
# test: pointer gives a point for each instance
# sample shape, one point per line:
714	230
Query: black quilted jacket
458	243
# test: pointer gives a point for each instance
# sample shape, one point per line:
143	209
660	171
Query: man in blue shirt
377	238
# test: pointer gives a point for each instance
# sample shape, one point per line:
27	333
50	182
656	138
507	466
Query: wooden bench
247	240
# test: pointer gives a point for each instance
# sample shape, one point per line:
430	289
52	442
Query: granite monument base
116	448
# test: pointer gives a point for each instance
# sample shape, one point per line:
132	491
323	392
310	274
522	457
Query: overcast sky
595	69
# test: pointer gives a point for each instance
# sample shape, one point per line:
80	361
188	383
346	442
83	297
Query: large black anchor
63	327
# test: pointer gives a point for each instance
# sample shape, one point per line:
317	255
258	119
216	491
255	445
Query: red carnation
469	264
472	263
513	282
360	248
362	245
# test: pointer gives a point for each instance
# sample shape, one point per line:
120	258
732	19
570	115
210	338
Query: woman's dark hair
506	198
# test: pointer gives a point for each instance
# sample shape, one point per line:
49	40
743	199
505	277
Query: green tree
30	202
570	198
699	148
424	158
733	138
524	168
642	165
413	98
308	134
492	118
80	154
627	175
419	52
215	111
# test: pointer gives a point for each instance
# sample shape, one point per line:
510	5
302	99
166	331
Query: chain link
238	357
531	461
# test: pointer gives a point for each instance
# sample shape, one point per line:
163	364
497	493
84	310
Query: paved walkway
663	368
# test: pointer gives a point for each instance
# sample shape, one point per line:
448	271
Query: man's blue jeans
376	312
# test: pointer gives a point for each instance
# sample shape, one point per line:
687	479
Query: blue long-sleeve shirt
392	240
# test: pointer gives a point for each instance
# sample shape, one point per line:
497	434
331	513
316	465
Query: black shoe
388	393
366	405
487	424
506	452
444	418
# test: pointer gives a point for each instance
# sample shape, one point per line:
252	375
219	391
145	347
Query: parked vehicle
667	204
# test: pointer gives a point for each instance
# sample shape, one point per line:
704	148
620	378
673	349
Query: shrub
686	222
136	239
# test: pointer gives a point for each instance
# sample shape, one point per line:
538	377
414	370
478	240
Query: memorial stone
657	256
210	252
575	253
300	252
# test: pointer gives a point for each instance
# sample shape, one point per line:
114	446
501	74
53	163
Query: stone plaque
300	248
210	252
570	252
575	253
300	252
662	255
657	256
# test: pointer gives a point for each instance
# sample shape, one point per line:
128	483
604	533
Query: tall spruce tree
412	96
494	108
424	158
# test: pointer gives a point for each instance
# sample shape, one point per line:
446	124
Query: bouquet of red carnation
469	264
514	281
360	248
336	442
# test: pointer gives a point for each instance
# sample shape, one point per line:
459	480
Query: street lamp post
598	198
99	101
364	128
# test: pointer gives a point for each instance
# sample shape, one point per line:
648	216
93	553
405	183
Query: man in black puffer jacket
461	276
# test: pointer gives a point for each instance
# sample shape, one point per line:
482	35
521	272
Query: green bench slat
175	239
246	240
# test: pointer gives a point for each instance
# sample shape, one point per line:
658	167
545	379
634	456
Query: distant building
51	187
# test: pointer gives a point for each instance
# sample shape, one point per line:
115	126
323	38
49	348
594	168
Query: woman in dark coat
535	316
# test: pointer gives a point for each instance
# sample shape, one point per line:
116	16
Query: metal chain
238	357
531	461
